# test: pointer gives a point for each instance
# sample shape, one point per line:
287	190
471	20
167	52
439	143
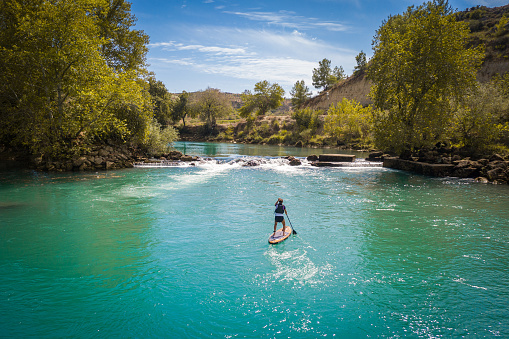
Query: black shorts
279	219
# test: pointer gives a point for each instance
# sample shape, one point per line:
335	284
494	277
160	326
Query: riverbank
494	169
436	163
98	157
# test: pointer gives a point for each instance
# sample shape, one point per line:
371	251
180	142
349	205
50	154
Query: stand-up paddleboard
279	236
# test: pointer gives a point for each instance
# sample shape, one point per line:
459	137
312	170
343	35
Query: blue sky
233	44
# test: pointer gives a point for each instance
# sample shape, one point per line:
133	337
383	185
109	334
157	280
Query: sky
233	44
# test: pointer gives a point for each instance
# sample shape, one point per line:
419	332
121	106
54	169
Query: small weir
256	161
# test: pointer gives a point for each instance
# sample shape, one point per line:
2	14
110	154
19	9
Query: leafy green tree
361	62
159	138
300	93
162	101
266	96
348	120
57	91
420	64
124	48
307	118
339	73
181	108
482	116
210	105
324	77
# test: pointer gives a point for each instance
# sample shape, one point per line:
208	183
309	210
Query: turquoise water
182	252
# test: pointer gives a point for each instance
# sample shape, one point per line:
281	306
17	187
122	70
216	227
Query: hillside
483	23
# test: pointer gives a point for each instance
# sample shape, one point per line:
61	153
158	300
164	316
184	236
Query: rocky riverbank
98	157
494	169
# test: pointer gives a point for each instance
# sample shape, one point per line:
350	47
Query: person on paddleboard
279	214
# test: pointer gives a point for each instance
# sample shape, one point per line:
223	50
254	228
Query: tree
321	75
300	93
266	97
339	73
181	108
361	62
161	100
324	76
348	120
420	64
482	116
123	48
58	93
210	105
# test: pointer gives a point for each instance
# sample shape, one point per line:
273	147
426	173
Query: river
182	251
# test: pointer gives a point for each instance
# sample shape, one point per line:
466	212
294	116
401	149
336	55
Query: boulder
496	157
497	173
251	163
79	161
186	158
174	155
103	153
312	157
98	161
294	161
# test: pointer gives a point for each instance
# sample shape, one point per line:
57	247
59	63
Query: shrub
159	140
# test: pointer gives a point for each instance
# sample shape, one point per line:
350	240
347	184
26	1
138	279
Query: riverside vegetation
90	91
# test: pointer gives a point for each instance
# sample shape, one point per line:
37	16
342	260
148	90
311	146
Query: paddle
294	231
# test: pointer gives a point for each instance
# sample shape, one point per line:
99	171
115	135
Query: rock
375	154
482	180
186	158
251	163
175	155
98	161
496	157
446	160
79	161
503	165
312	157
110	165
294	161
497	173
103	153
468	163
483	162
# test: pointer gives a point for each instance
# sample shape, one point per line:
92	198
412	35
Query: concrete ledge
336	158
435	170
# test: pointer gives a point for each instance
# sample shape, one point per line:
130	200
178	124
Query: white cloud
290	19
169	46
251	55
